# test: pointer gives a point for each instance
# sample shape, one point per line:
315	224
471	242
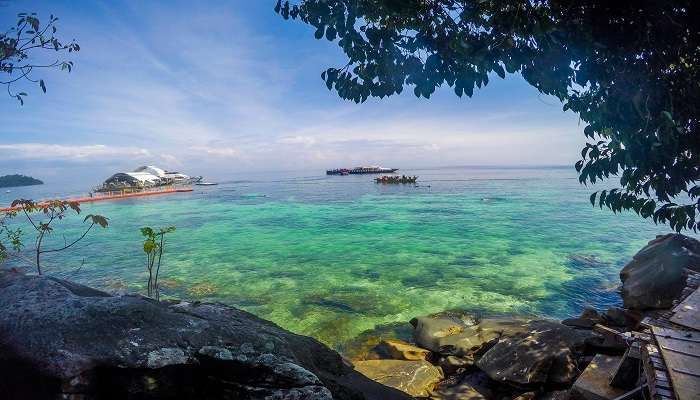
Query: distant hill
18	180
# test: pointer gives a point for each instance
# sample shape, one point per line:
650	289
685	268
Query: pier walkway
117	195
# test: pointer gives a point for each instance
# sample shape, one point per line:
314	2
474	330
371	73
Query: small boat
8	191
206	183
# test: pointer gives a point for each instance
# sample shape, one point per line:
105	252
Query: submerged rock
654	277
203	289
59	338
416	378
545	353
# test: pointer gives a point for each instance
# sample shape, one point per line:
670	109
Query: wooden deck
672	363
680	350
687	313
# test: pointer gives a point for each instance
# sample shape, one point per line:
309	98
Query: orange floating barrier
115	196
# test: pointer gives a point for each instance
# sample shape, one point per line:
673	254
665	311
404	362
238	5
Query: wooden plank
632	393
592	384
655	371
688	312
682	358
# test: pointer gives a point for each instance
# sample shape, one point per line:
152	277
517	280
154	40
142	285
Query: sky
226	88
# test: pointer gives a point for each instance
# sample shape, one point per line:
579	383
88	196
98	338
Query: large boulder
654	277
417	378
61	339
545	354
454	334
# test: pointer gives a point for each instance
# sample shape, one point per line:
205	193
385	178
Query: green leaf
499	70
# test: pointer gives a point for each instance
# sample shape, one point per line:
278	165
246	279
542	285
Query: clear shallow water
333	257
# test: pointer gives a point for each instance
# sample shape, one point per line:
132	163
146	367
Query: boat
361	170
206	183
395	179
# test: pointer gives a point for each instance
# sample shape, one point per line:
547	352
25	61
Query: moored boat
361	170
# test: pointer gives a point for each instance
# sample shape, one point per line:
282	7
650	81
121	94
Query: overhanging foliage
628	69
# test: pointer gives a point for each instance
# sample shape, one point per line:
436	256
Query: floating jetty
361	170
117	195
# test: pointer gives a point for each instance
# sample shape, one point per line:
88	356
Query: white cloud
186	96
223	151
43	151
301	140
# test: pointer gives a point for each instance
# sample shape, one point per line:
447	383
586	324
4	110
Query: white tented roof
159	172
144	177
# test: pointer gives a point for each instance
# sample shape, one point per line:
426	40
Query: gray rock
60	338
546	353
416	378
654	277
460	334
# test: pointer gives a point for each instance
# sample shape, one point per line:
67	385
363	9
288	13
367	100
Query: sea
343	259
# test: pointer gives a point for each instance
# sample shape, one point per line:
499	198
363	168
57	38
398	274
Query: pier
117	195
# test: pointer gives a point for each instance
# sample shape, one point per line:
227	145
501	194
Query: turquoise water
333	257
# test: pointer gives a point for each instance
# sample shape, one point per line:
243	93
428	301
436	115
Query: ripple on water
339	258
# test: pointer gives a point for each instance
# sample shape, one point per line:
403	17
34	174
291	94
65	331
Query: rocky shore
457	356
59	339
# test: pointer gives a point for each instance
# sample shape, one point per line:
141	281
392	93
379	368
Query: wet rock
399	350
654	277
546	353
461	334
416	378
59	338
526	396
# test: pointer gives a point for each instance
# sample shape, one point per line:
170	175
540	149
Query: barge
146	177
361	170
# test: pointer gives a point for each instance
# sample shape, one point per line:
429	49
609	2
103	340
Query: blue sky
222	88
